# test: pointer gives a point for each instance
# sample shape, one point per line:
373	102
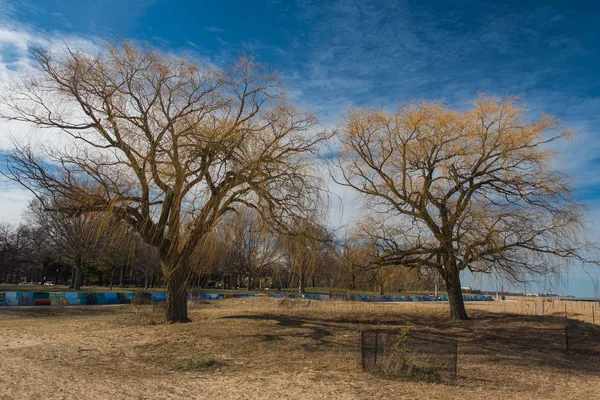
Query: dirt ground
273	349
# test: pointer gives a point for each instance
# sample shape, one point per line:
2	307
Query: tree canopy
452	190
165	144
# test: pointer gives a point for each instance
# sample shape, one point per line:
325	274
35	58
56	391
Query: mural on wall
104	298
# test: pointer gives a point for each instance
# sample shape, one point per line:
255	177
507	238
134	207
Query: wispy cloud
214	29
344	53
252	45
355	53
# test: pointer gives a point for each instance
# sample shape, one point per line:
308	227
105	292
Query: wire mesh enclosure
403	354
583	339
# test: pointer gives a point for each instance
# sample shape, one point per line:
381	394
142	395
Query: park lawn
277	349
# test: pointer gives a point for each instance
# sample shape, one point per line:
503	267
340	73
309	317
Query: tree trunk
77	280
177	297
46	264
301	283
455	299
73	278
122	276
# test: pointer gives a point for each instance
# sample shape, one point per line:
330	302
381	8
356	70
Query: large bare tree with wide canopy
165	144
454	190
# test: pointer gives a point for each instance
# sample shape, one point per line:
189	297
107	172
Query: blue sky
337	54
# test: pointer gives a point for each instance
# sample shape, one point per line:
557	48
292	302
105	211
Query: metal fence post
456	359
376	348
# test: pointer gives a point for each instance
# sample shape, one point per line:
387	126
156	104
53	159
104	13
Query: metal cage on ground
410	355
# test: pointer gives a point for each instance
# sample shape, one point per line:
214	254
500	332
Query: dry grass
268	348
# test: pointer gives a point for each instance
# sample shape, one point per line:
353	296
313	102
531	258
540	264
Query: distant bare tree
252	247
166	145
75	237
16	252
357	257
147	261
304	250
454	190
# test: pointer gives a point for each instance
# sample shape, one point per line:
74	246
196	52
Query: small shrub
196	364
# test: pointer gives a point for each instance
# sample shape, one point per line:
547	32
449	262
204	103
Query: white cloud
13	201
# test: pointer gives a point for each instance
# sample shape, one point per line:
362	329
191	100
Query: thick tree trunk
77	273
177	297
455	299
77	280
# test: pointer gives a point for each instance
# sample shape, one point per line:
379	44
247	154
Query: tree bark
46	264
301	283
73	277
455	299
122	276
77	280
177	297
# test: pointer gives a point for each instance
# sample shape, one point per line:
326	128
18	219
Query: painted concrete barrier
103	298
73	298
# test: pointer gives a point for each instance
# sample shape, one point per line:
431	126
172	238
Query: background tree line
242	253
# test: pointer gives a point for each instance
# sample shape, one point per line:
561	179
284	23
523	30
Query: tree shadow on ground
317	332
536	342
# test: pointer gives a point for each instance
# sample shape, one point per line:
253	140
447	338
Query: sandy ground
268	349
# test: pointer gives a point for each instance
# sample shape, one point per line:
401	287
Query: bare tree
454	190
304	250
357	257
252	246
147	261
75	237
166	145
16	253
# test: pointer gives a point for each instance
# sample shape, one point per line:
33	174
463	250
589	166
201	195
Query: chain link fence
408	355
